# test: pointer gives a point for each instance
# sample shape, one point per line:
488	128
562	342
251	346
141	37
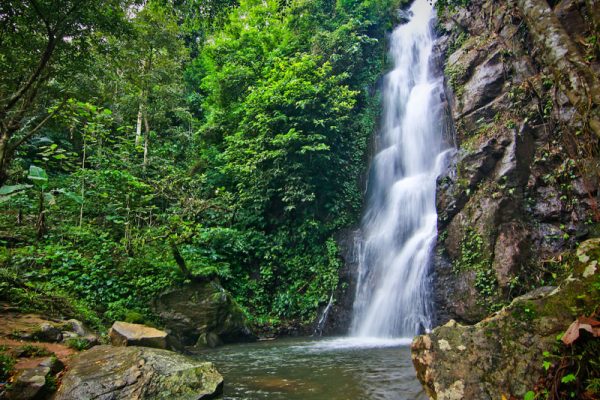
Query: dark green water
326	369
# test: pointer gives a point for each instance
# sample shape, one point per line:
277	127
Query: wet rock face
198	309
485	84
113	373
339	317
512	197
503	354
455	296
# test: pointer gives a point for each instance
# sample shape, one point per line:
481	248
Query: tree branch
32	78
39	126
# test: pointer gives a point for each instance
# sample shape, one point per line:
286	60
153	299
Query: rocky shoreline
132	361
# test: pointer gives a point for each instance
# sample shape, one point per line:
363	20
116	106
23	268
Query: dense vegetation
142	145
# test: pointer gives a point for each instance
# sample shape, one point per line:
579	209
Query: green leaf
568	378
72	196
7	190
38	176
50	199
529	395
546	365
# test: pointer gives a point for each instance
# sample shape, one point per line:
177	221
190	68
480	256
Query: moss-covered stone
503	354
199	309
131	373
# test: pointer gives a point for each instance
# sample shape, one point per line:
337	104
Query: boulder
133	373
200	308
209	339
28	383
49	333
126	334
502	355
53	363
77	327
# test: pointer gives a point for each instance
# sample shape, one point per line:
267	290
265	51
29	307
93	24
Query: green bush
30	350
7	363
78	344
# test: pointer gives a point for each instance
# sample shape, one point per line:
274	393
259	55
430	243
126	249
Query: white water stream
400	224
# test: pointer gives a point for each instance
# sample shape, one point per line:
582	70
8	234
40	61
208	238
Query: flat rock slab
126	334
132	373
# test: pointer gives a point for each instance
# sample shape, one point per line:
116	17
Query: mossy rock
107	372
201	308
503	354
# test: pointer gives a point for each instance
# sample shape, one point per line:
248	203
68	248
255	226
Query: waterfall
323	319
399	227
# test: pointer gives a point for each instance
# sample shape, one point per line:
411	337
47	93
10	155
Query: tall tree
43	46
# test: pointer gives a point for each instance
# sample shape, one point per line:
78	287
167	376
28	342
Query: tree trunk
41	220
138	126
4	157
82	182
8	148
146	139
576	78
180	260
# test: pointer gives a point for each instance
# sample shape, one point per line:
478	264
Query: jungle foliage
146	144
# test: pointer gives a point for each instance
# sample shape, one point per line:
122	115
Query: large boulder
502	356
202	313
28	384
132	373
126	334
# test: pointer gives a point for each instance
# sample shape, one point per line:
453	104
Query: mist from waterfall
399	227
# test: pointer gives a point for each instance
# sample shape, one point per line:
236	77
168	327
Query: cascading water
400	224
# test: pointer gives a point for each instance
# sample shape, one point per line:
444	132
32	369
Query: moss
456	75
473	257
580	293
525	311
51	384
572	370
37	298
462	181
30	350
134	317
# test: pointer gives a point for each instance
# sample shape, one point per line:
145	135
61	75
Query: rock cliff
523	187
519	198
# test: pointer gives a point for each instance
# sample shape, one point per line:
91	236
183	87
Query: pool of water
312	369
